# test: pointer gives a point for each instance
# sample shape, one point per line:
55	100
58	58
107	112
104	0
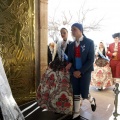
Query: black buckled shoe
93	106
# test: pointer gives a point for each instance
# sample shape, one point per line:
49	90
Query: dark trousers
81	85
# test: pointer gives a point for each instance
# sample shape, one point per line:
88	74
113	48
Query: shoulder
87	39
111	44
59	42
69	42
72	43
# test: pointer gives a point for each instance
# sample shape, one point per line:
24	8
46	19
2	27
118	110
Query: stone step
32	111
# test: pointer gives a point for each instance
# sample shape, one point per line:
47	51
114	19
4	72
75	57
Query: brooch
83	48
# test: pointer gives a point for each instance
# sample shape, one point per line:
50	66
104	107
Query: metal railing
116	91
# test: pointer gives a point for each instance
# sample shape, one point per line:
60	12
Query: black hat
116	35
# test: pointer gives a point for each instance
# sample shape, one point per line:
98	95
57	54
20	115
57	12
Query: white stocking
76	106
90	98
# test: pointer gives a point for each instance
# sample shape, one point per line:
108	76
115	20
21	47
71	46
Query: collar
66	41
78	42
80	39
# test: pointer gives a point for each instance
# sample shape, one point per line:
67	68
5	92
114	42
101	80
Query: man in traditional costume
114	55
81	58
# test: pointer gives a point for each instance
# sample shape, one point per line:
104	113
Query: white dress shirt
77	42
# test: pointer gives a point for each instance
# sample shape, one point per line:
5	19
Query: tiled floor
105	105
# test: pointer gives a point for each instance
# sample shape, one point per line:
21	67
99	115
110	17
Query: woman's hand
68	66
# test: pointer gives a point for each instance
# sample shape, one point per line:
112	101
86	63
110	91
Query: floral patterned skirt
101	77
55	92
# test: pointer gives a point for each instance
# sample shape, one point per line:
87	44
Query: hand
77	74
97	54
108	52
68	66
114	54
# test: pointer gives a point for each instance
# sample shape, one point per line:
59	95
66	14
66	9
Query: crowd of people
107	64
73	65
104	74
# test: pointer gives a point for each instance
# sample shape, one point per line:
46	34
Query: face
64	34
116	40
76	32
101	45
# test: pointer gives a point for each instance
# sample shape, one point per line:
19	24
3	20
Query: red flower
108	84
63	97
67	104
59	103
45	96
52	77
38	95
100	72
99	83
63	102
64	80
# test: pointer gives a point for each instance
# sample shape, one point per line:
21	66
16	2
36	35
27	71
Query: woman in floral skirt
54	91
101	76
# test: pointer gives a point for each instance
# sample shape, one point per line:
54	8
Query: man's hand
108	52
77	74
114	54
